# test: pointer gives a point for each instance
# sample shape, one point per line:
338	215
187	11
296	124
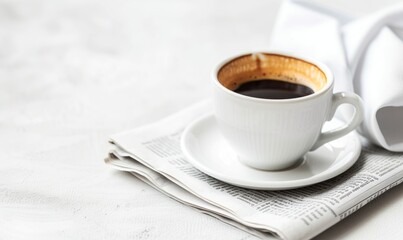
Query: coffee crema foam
270	66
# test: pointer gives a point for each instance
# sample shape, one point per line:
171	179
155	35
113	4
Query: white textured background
73	72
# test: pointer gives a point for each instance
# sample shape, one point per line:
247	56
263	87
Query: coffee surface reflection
273	89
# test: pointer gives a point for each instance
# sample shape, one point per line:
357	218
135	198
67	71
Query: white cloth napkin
365	54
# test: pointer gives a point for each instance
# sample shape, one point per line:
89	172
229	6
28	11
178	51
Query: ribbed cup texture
270	135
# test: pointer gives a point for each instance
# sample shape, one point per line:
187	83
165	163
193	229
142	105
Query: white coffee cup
274	134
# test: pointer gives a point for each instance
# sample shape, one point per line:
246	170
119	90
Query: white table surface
74	72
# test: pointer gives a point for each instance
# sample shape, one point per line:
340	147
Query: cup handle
337	100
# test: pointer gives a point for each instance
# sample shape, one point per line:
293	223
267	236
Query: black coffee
273	89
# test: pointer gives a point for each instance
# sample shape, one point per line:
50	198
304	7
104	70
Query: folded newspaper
152	153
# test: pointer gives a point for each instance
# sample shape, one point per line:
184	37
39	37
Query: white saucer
205	148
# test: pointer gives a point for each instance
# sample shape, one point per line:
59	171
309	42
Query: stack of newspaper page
152	153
